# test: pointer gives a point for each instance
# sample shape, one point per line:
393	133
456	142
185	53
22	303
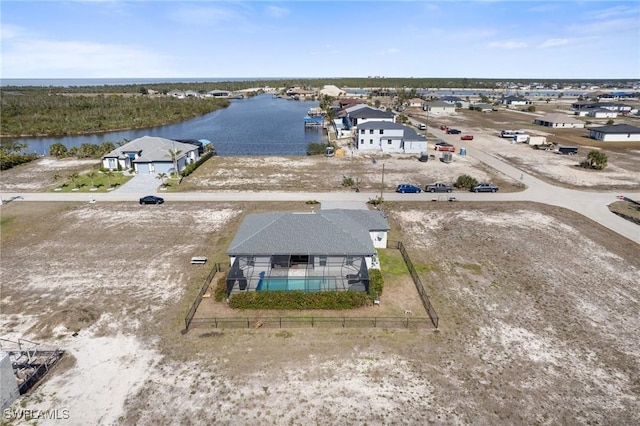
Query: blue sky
218	39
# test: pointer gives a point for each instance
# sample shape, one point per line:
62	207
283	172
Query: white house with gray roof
151	154
361	114
327	250
389	137
616	133
439	107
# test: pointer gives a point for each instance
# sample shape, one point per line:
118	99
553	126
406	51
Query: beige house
559	121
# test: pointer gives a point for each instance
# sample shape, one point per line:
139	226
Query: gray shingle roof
370	113
616	129
326	232
152	149
381	125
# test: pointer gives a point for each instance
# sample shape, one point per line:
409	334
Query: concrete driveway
145	183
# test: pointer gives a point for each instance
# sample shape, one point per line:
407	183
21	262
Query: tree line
39	113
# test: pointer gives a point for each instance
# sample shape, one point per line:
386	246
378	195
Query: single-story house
616	133
177	94
559	121
218	94
515	100
456	101
601	113
439	107
360	114
415	102
326	250
152	154
481	107
388	137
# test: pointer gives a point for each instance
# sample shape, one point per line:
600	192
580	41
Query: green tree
610	122
531	108
175	154
597	159
58	150
162	176
465	181
109	175
92	175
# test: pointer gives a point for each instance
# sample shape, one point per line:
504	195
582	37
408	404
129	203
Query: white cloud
276	12
508	44
390	51
614	12
209	16
552	42
49	58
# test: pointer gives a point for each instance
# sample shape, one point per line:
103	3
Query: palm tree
92	175
597	159
109	175
74	177
162	176
175	153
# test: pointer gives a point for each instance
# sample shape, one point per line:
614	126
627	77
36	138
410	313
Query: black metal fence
416	280
217	267
313	322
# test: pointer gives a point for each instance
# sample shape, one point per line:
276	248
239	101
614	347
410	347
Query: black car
485	187
454	131
151	199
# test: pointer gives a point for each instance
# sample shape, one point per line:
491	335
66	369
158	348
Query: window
323	260
382	131
370	141
362	141
388	141
370	131
349	260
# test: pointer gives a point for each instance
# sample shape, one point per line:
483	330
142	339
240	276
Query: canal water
260	125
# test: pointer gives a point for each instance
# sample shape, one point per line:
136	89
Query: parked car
151	199
438	187
422	126
454	132
443	127
409	188
442	143
445	147
466	138
485	187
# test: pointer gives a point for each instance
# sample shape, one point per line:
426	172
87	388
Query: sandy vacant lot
538	309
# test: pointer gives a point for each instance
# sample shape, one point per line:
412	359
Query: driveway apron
145	183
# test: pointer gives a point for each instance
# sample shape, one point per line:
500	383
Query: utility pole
382	185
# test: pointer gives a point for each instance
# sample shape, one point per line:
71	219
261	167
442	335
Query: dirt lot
530	332
539	307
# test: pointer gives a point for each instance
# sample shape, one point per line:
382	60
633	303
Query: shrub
220	292
375	201
317	148
376	283
347	181
465	181
298	300
191	167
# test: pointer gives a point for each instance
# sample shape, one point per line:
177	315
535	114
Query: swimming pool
289	284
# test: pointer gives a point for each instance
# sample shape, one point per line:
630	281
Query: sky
543	39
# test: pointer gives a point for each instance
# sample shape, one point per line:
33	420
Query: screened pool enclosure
309	273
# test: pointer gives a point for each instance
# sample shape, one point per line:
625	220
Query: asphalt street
587	203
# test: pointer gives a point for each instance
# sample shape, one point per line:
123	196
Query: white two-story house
383	136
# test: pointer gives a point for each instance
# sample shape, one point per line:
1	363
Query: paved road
590	204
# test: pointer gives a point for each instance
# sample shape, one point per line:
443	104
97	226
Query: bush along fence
217	267
313	322
416	280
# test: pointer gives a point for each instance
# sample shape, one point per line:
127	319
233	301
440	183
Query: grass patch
473	267
391	262
84	183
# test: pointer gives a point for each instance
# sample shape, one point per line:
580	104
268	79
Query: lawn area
93	181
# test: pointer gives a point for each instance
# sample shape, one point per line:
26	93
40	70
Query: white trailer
537	140
522	138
